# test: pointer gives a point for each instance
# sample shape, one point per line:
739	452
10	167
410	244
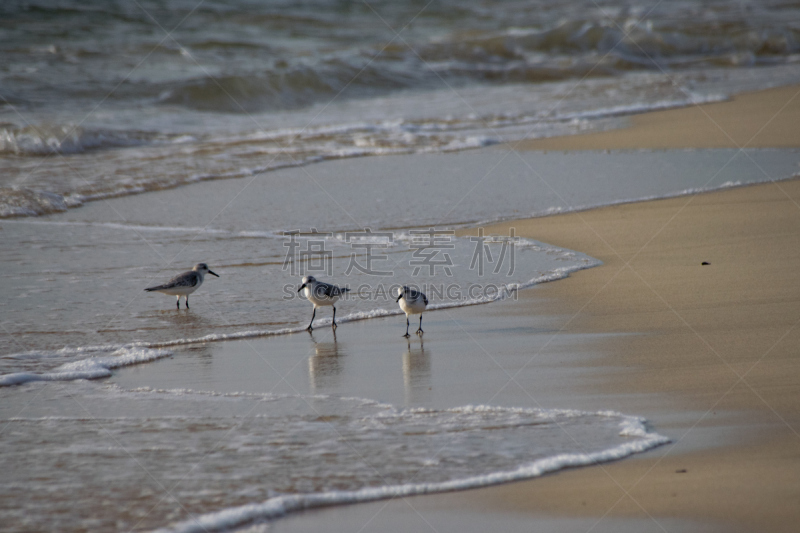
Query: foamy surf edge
43	199
90	368
665	196
281	506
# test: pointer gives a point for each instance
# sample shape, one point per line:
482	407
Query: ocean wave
168	160
167	153
685	33
22	202
64	139
633	429
286	55
90	368
266	455
578	47
286	87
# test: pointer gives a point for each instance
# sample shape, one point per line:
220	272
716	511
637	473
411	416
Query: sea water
216	460
101	99
248	126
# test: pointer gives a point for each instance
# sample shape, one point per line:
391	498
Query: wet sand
708	353
717	342
761	119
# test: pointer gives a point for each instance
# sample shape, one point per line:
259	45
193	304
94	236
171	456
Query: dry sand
718	343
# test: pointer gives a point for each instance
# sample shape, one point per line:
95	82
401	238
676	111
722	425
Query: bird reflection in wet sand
199	353
417	373
325	366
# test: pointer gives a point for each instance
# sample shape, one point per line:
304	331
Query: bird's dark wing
187	279
331	290
415	296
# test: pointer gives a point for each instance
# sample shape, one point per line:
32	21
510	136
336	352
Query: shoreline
758	119
704	351
714	342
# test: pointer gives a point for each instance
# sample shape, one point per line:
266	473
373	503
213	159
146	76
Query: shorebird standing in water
412	302
184	284
320	293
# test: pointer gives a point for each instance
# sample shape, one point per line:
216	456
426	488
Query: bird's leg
333	324
179	302
309	328
406	335
419	331
187	301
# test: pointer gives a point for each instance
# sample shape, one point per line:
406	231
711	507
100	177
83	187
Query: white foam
23	202
138	228
279	506
119	226
90	368
64	139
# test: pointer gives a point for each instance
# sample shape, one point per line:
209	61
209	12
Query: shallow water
73	283
197	432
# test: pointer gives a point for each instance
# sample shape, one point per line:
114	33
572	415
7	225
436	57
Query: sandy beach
709	351
709	356
716	340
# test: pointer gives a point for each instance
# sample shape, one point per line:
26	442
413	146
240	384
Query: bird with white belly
184	284
321	294
412	302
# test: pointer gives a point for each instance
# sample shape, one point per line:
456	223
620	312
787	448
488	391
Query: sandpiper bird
184	284
412	302
319	294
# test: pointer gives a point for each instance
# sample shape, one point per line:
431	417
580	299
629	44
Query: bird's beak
303	286
213	274
398	298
